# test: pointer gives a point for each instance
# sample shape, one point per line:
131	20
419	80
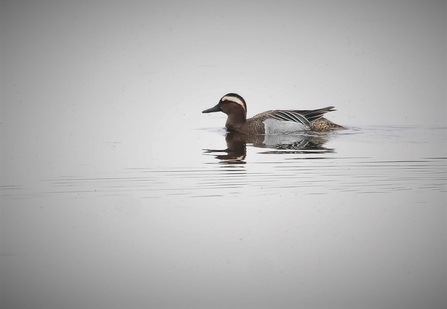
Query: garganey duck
273	121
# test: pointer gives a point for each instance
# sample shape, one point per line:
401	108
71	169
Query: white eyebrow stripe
235	100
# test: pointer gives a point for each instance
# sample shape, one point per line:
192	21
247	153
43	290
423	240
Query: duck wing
314	114
301	117
289	115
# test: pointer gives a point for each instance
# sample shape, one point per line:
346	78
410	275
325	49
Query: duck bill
212	109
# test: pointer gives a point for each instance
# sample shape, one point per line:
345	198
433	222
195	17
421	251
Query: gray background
378	62
108	200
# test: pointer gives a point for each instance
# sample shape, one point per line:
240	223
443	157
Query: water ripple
267	172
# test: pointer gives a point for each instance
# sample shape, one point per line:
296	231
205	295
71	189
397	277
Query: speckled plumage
273	121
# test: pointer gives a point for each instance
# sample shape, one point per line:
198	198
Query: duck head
231	104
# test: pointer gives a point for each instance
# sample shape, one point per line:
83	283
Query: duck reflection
236	150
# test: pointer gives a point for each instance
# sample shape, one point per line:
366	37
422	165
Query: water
357	161
352	219
117	192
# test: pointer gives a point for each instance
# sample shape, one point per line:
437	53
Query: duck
272	121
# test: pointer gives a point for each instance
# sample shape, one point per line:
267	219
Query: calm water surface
202	218
117	192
